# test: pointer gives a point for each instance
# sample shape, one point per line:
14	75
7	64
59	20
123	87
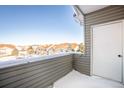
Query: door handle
119	55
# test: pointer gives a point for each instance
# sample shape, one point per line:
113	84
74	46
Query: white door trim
123	53
91	55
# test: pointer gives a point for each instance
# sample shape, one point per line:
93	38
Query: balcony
58	71
75	70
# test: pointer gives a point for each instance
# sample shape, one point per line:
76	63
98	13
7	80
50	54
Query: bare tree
30	50
15	52
81	47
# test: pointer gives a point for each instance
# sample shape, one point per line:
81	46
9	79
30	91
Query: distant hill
7	45
56	46
65	45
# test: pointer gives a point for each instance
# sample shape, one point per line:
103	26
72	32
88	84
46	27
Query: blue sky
24	25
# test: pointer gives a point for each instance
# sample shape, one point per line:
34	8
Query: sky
44	24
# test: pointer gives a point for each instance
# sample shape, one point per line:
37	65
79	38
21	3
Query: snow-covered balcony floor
77	80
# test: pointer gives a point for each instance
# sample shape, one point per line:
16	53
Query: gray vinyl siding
36	74
107	14
81	63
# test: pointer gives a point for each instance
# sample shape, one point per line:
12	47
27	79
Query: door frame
91	49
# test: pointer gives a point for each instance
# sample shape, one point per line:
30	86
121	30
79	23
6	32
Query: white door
107	51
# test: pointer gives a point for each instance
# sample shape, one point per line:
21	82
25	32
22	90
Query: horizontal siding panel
104	11
29	74
50	78
83	71
98	21
116	13
81	57
21	71
28	70
21	66
22	77
82	63
48	81
35	78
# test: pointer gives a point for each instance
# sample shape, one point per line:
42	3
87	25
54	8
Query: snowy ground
77	80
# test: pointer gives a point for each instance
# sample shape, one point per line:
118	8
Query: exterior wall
36	74
107	14
81	63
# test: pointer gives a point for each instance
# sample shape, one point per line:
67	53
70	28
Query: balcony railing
35	72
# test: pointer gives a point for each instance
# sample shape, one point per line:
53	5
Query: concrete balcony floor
77	80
